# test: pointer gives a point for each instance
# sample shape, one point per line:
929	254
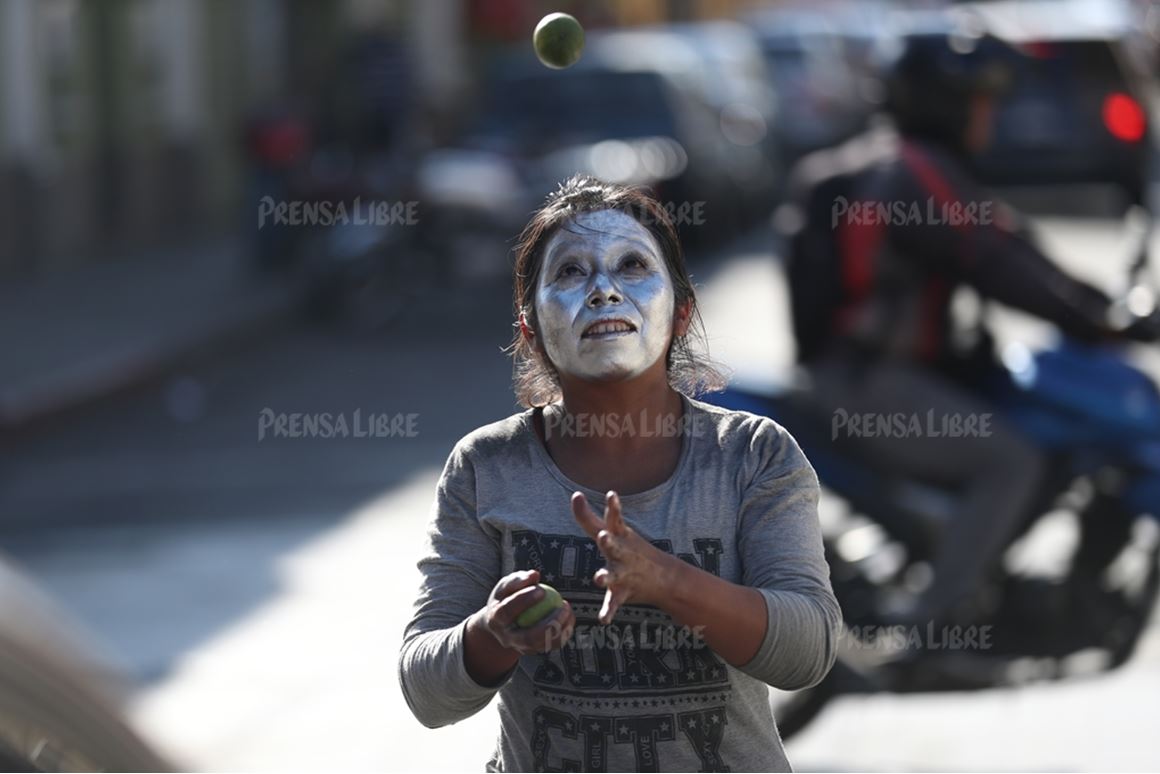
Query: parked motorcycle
1098	419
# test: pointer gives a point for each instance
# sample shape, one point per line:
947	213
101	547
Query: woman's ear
683	318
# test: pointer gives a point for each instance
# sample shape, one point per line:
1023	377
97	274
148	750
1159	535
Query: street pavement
257	589
73	337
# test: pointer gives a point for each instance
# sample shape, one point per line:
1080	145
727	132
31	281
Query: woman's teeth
608	328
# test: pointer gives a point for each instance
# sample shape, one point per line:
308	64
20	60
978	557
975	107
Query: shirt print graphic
641	681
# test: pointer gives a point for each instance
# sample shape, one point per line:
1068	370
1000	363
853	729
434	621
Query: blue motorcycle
1098	418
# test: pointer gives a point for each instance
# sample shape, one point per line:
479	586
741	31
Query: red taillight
1124	117
1038	49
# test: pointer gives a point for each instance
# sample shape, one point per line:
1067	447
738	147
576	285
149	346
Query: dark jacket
906	223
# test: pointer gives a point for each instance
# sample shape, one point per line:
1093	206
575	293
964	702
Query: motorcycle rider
880	232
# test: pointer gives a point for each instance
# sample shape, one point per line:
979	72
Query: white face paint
604	266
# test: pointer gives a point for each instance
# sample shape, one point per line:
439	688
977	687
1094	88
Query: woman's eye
633	262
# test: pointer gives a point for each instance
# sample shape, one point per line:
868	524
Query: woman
701	581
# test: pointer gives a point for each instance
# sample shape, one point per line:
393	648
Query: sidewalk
71	338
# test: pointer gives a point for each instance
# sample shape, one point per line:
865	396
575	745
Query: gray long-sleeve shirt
640	694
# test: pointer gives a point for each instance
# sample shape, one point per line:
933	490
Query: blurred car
823	97
633	110
731	77
1081	104
863	29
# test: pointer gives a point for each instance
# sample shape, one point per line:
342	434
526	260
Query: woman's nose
603	291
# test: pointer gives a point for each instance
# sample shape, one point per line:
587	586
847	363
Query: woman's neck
618	417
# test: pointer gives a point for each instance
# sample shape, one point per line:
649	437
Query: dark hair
535	379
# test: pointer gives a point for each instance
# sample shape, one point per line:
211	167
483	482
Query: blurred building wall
438	32
120	121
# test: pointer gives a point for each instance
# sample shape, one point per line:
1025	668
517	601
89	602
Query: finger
539	638
515	581
609	545
567	624
609	608
613	517
604	578
585	516
618	598
510	608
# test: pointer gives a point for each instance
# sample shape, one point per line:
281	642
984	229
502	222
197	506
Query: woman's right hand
514	594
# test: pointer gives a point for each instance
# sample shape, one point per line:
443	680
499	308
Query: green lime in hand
537	612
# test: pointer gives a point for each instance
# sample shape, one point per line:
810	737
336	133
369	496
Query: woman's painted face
604	300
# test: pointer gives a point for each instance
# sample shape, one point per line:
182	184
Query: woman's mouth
607	329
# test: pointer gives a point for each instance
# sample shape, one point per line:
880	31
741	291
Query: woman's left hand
635	570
